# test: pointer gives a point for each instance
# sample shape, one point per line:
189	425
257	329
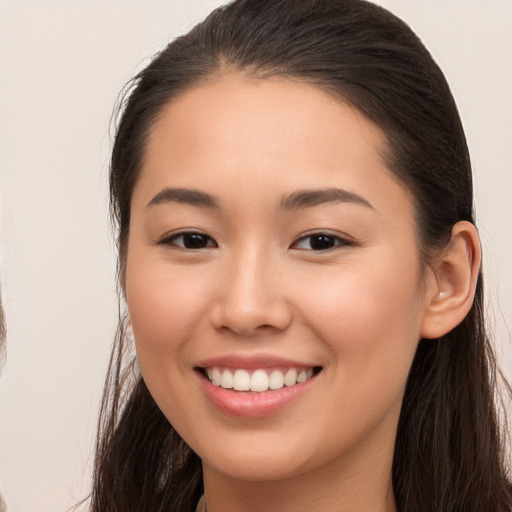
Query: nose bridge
250	277
251	294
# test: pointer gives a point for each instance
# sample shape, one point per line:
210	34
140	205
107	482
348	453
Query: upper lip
253	362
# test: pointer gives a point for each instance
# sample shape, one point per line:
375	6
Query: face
272	251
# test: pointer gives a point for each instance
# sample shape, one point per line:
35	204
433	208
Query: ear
451	288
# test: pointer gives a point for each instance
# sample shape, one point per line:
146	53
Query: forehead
281	133
266	113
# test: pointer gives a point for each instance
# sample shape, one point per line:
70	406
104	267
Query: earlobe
451	292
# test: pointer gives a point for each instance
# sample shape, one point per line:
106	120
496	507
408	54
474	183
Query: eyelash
171	240
328	238
336	240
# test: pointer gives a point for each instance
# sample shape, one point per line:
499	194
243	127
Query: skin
356	310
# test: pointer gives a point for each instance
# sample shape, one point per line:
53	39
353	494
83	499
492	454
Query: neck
359	482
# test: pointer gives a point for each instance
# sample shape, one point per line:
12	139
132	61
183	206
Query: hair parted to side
449	454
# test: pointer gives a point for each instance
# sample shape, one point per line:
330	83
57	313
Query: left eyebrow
307	198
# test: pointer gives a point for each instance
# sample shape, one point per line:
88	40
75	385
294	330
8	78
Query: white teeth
302	376
241	380
259	380
216	376
276	380
290	379
226	380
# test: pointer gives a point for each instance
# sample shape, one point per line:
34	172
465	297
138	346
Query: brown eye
190	240
320	242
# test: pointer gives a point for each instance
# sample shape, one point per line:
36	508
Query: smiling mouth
258	380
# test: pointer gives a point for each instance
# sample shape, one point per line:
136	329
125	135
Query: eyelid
169	239
341	239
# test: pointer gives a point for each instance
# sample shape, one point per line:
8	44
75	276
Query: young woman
301	271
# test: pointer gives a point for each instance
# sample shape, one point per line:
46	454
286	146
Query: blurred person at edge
3	331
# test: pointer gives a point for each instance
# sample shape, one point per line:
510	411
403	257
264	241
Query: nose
251	297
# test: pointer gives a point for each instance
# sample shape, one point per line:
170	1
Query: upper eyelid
326	232
186	231
167	238
317	232
343	241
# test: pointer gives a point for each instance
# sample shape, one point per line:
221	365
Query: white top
201	506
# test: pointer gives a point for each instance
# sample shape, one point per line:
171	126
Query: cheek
368	315
369	320
166	307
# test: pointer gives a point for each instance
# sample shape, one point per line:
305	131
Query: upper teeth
257	380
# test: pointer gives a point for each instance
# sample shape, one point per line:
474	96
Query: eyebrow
307	198
184	195
298	200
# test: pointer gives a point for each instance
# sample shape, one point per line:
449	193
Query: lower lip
253	405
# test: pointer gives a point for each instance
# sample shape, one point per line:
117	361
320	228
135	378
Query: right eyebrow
184	195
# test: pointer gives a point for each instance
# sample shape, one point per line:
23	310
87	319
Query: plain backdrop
62	65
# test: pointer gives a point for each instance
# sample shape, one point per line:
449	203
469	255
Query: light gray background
62	64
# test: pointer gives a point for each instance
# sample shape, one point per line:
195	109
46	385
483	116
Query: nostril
247	322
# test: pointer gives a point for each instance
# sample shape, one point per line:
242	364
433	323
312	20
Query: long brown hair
449	454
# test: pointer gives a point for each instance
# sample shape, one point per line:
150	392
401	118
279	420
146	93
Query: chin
260	458
257	468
